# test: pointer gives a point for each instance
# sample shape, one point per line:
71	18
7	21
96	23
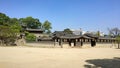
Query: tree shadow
103	63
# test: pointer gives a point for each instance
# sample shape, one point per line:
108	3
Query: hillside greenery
11	28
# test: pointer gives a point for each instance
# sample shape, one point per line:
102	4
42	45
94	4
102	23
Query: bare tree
114	32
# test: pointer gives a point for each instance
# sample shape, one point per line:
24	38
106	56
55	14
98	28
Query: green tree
10	22
15	25
47	27
30	22
98	33
9	29
68	31
7	35
4	20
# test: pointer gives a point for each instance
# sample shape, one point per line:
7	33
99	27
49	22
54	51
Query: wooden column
100	40
60	43
74	42
78	40
93	42
54	42
81	42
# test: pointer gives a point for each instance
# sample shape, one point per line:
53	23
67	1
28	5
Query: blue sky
90	15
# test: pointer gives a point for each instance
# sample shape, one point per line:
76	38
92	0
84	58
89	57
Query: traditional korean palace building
73	40
39	33
79	40
36	32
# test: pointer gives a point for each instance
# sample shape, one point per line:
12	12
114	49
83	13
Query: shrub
26	33
30	37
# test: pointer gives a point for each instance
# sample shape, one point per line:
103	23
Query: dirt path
28	57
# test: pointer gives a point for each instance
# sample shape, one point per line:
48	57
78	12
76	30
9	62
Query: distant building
77	32
78	40
36	32
94	33
102	34
40	36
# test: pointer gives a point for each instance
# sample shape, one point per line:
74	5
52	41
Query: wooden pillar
103	40
88	40
81	42
69	41
60	43
107	40
96	40
63	40
57	39
55	42
74	42
78	40
100	40
93	42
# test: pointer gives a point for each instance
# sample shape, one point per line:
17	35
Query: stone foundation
66	45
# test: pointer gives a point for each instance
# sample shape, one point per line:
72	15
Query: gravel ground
30	57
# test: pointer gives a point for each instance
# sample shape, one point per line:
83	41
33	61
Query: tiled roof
34	29
61	34
106	38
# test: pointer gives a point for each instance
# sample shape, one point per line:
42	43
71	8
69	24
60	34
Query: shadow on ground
103	63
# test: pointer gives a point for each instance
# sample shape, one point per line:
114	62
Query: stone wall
66	44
